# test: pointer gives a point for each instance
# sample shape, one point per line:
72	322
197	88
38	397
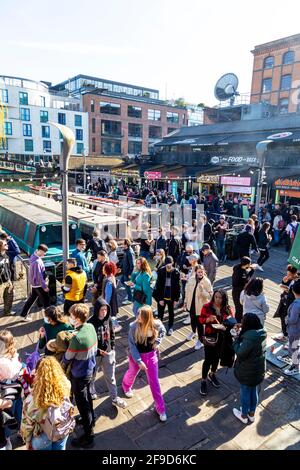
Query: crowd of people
172	271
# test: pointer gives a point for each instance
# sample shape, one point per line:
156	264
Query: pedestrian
145	336
214	312
286	298
112	247
5	444
278	226
39	288
140	281
98	275
195	236
54	323
210	262
74	286
264	240
13	250
174	248
184	267
95	244
81	354
246	242
293	329
161	242
250	365
146	240
254	300
185	237
220	234
110	292
5	279
291	231
198	292
50	398
127	269
106	355
167	291
242	274
80	257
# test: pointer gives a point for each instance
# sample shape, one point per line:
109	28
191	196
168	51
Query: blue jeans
135	308
249	399
16	410
128	288
221	248
43	443
276	237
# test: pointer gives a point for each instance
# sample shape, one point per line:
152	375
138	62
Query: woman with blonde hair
140	279
160	257
145	336
51	388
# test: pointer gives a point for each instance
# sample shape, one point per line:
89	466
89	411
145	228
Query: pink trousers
151	361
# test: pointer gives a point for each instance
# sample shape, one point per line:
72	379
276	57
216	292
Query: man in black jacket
98	276
161	241
95	244
127	268
174	244
167	291
246	242
242	274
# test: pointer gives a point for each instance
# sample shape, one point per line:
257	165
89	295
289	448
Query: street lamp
69	141
261	150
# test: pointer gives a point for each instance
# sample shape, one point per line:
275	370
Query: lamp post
261	150
68	143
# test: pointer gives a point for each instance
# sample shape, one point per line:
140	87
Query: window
25	114
269	62
79	148
47	145
134	147
79	134
286	82
27	130
92	106
62	118
3	144
42	101
171	129
154	115
28	145
60	136
93	144
134	111
155	132
288	57
110	147
266	85
172	117
78	120
93	125
45	132
8	128
111	128
43	116
23	97
110	108
4	96
284	106
135	130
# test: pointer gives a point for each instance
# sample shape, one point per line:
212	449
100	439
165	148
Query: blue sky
179	47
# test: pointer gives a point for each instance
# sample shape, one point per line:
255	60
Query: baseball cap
193	257
206	246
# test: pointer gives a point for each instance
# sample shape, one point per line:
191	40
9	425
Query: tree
180	102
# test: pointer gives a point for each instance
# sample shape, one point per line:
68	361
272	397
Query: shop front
287	189
238	187
208	184
129	175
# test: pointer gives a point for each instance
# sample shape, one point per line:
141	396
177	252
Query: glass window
111	128
8	128
78	120
110	146
93	144
288	57
93	125
47	145
28	145
23	97
269	62
79	148
25	114
284	106
154	115
3	144
135	130
46	132
134	147
266	85
43	101
134	111
110	108
286	82
62	118
155	132
79	134
172	117
92	106
60	136
4	96
43	116
27	130
171	129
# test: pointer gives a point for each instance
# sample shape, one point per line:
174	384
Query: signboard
238	189
280	135
236	180
294	258
232	159
210	179
286	183
152	175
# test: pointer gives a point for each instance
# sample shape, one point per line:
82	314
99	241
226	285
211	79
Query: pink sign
236	180
238	189
152	175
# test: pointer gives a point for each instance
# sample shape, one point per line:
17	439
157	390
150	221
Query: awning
259	136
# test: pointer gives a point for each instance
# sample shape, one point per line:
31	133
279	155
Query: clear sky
180	47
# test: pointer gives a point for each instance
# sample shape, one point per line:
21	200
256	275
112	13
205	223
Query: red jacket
208	310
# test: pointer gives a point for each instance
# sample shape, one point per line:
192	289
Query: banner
294	258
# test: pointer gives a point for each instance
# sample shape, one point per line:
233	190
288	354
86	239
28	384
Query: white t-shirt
289	229
10	367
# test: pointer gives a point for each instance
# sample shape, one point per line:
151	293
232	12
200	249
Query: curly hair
50	385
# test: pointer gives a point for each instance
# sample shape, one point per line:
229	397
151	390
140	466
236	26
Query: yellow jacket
74	285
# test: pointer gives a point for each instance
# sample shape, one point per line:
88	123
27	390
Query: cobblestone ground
194	422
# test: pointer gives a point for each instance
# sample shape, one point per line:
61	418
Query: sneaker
203	388
83	441
187	321
259	268
25	319
129	393
8	314
119	403
126	302
287	359
291	370
198	346
94	396
191	336
251	418
163	417
170	332
238	414
8	444
213	380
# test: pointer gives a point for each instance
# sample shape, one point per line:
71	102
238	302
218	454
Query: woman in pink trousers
145	335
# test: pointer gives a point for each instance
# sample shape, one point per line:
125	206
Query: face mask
46	320
74	322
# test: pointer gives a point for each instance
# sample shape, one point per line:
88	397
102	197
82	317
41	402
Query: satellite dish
226	87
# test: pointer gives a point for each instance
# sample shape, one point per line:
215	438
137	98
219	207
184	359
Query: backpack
294	231
280	224
33	359
59	421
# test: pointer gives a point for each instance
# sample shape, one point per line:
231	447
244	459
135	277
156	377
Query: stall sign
152	175
232	159
286	183
236	180
208	179
238	189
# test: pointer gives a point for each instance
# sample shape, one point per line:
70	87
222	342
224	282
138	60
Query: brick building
276	74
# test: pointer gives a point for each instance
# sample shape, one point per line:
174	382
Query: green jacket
250	364
142	283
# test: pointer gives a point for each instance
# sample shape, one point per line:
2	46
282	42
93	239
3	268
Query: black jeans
263	257
196	325
2	431
161	311
36	292
211	359
68	304
84	402
237	305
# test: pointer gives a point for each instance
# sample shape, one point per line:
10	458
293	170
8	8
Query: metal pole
261	150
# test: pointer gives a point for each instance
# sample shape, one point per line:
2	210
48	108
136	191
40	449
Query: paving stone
285	439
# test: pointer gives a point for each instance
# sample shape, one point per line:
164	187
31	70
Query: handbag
139	296
209	340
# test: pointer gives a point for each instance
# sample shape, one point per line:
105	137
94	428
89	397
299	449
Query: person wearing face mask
198	292
54	323
167	291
